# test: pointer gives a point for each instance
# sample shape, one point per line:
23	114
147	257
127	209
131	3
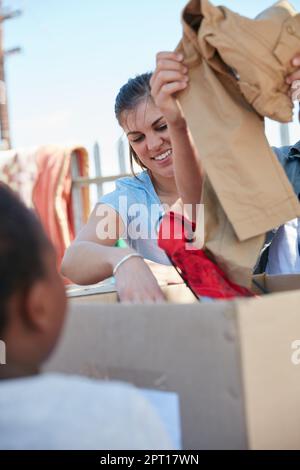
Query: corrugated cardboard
178	293
267	284
230	362
271	382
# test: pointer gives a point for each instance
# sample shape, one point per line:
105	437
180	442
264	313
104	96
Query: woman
160	143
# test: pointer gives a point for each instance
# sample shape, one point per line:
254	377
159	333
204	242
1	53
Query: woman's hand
294	79
169	77
135	283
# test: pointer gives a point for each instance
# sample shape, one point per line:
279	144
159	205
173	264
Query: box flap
177	293
264	283
268	327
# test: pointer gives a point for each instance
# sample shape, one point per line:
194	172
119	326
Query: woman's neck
164	187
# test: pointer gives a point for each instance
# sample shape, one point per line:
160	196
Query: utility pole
4	120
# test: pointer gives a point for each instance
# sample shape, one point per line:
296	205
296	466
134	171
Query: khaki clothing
237	69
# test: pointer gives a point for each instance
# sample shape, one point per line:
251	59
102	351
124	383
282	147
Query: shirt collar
294	150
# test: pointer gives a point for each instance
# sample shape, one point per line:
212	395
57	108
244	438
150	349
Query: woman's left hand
170	76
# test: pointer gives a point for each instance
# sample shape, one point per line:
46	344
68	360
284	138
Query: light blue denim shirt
140	209
289	157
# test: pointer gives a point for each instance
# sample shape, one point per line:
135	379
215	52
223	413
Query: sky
76	54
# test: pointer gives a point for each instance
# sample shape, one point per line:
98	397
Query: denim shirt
140	209
289	157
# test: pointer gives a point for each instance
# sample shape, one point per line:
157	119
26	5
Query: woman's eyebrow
133	132
152	125
157	121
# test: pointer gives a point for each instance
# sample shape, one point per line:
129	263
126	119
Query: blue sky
77	54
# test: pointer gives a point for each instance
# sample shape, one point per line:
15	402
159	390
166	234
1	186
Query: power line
4	117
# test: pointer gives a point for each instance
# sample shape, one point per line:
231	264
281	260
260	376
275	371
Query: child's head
32	296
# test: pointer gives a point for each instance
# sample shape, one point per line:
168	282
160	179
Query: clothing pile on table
42	178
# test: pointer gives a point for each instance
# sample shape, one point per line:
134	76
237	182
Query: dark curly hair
22	246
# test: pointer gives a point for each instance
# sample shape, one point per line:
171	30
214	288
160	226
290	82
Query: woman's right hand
135	283
169	77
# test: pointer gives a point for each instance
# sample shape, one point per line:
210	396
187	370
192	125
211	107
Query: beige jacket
237	68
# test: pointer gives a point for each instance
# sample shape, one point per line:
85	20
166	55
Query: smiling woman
149	139
160	143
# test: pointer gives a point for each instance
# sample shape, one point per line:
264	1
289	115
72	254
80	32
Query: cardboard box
268	284
106	293
230	362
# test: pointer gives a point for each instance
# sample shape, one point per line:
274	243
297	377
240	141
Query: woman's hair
130	95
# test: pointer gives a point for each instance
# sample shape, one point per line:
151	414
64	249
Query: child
53	411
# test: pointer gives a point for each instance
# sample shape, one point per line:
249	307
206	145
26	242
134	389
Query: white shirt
53	411
284	255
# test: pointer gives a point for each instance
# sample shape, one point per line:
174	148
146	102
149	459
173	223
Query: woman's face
148	135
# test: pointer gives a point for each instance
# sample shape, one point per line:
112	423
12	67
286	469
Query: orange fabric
52	193
82	163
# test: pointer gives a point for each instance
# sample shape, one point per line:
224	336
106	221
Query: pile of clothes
42	177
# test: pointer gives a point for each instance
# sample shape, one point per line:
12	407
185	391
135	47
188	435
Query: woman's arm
92	257
170	77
